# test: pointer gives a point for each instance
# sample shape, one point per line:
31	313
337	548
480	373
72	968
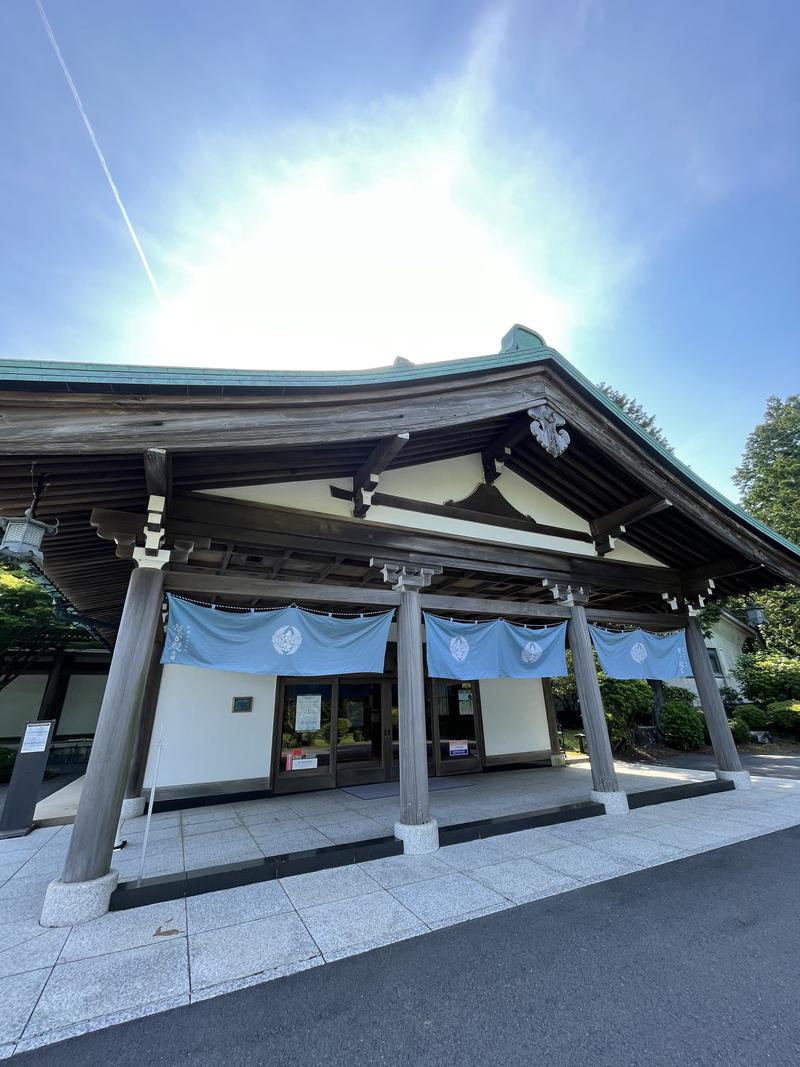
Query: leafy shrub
753	715
627	698
681	726
785	715
7	759
677	694
740	731
767	677
621	731
627	701
730	697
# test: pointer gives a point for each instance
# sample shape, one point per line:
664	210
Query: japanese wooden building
505	485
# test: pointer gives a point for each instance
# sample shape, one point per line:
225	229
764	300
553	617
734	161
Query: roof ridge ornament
547	428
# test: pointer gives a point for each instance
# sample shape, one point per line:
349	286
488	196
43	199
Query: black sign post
26	778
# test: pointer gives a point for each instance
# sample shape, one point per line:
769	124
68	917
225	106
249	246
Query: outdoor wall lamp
23	535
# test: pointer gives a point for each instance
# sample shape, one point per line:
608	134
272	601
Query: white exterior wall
19	703
204	741
82	704
514	716
436	483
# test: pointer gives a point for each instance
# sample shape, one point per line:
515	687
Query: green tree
769	480
28	626
635	410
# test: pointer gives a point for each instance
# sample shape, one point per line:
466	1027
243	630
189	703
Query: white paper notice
308	713
35	739
304	763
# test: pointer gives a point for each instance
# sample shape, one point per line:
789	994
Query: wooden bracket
607	527
406	576
366	478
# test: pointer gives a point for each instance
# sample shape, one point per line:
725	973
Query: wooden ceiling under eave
588	481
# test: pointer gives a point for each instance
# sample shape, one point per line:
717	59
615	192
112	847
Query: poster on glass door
308	713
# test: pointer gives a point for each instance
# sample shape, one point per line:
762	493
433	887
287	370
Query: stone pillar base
68	903
132	807
418	839
558	761
740	779
615	803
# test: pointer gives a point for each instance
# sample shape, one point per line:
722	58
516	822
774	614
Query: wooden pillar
711	703
604	776
92	841
144	728
414	797
56	689
415	828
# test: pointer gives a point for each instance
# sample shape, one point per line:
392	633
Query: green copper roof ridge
130	373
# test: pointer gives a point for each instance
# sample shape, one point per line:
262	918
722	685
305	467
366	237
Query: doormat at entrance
392	789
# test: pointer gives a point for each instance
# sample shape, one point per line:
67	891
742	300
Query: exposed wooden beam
221	584
158	472
720	568
607	527
223	520
449	511
628	514
366	478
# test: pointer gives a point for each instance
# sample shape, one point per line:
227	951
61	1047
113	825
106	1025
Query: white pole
150	803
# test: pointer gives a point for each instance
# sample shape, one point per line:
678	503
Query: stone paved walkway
227	833
55	983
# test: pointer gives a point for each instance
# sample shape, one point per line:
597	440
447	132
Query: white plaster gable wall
437	482
514	716
204	741
82	703
19	703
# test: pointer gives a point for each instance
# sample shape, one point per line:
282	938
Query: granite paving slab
454	896
586	864
401	870
117	930
249	948
321	887
531	842
642	850
360	921
18	996
523	880
472	854
210	911
275	843
26	946
118	981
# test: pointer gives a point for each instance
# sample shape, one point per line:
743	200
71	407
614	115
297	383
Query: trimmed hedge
677	694
740	731
755	717
681	726
785	715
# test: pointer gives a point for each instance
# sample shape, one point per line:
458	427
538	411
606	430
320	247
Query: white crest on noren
531	652
639	652
459	648
286	640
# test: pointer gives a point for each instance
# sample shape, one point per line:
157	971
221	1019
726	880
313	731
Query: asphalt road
693	962
770	765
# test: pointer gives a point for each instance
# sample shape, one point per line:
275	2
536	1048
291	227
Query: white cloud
408	230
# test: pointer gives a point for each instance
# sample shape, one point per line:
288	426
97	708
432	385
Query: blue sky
335	184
